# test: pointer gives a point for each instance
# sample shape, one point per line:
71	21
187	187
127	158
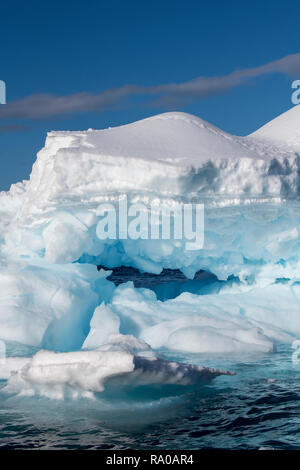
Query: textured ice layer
125	359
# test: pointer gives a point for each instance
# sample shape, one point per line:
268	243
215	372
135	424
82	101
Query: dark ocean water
259	407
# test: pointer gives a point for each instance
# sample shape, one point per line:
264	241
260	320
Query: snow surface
51	295
283	130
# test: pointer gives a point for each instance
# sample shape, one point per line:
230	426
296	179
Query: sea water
257	408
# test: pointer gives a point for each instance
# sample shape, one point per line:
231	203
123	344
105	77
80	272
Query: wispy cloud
44	105
13	128
202	87
41	106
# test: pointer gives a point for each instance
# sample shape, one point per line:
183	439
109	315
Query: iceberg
53	297
249	189
124	360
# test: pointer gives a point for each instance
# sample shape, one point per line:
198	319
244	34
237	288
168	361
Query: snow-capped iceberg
249	189
53	297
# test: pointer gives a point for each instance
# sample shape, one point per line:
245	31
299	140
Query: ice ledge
83	373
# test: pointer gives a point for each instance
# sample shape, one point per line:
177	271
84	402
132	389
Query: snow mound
173	137
283	131
249	189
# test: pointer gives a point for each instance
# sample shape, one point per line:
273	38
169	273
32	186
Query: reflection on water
259	407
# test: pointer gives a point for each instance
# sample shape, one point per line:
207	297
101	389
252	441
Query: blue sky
63	48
